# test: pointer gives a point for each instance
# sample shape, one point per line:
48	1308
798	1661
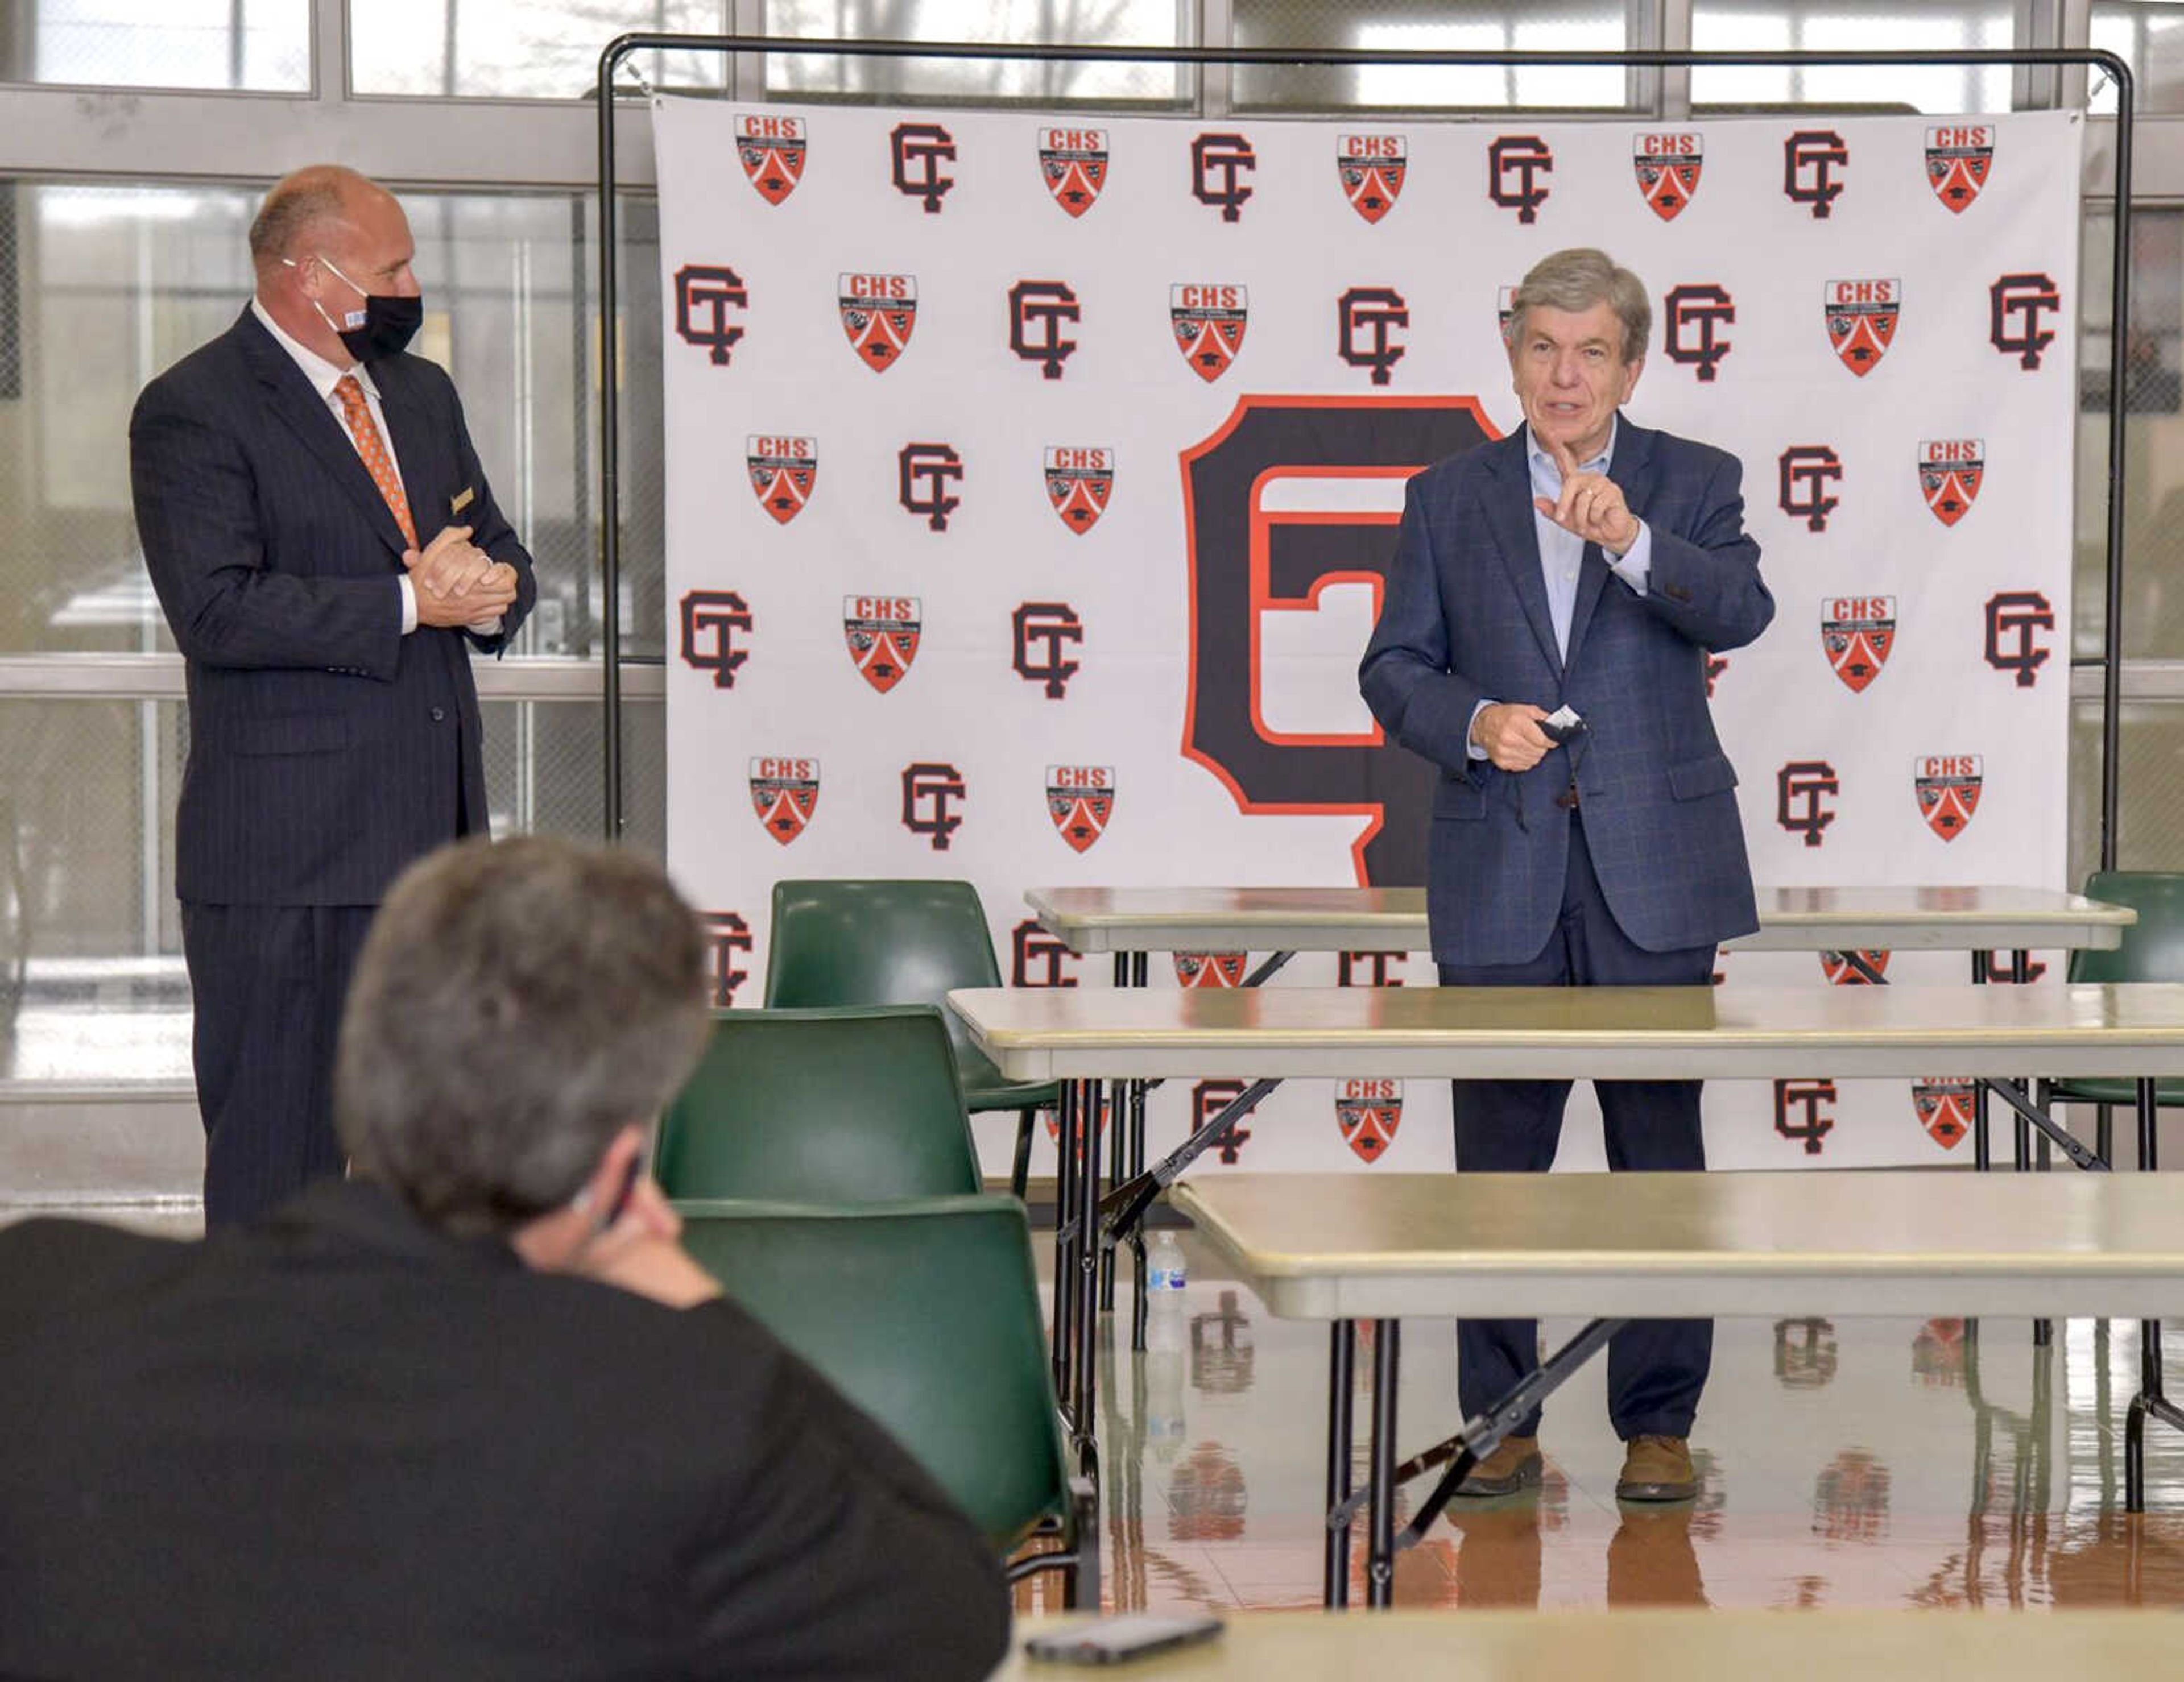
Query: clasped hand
457	584
1591	505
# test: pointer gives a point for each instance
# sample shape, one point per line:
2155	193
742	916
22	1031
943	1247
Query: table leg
1380	1556
1086	1324
1982	1159
2152	1402
1341	1367
1065	1250
1117	1155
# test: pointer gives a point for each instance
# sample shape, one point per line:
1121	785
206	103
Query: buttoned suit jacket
326	750
1466	618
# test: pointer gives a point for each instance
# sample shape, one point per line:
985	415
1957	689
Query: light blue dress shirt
1561	551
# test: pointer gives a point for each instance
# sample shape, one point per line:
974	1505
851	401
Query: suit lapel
1509	515
1631	468
297	403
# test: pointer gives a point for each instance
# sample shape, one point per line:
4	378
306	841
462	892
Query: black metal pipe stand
1065	1252
2152	1401
1381	1556
1341	1369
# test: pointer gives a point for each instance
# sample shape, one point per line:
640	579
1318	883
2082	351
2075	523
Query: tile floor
1848	1463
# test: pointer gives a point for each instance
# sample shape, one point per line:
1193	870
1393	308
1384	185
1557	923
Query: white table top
1540	1033
1655	1646
1896	1241
1394	919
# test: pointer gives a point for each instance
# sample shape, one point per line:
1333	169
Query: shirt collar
1540	457
323	375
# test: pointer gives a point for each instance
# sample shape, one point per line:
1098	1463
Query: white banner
1030	481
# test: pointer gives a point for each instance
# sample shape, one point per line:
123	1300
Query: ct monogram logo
1036	958
704	295
2015	304
2014	618
1367	319
1037	311
1516	166
1692	333
1039	632
1803	474
916	153
923	472
1216	163
1803	1111
1802	791
711	620
1810	158
931	791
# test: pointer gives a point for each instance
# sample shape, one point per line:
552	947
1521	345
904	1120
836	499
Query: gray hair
1576	279
515	1006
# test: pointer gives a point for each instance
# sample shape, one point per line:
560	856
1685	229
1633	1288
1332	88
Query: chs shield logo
1371	168
1210	969
704	294
1843	973
1667	167
1802	788
1949	474
1804	473
1073	164
1216	163
1946	1106
1858	632
1810	158
1515	164
784	793
1368	1112
2013	616
917	152
1691	331
711	619
1949	790
782	471
1079	480
772	149
879	312
922	474
1209	326
1052	626
930	793
1366	321
1037	311
1861	317
1803	1111
883	633
1080	798
1957	159
2013	307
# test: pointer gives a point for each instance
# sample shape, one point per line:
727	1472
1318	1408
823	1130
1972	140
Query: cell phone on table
1117	1641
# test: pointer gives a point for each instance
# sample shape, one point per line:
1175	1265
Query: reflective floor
1858	1463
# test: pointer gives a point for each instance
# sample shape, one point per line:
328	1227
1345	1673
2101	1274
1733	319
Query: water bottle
1166	1275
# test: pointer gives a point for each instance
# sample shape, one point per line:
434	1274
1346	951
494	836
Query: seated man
473	1413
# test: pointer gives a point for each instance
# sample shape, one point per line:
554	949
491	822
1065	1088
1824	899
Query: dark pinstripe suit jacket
1466	620
327	749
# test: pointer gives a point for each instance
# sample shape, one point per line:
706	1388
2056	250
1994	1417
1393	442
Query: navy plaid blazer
327	749
1466	620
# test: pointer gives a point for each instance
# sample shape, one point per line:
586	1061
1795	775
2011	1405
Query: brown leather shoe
1514	1466
1657	1468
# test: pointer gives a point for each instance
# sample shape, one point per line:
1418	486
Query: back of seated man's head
516	1007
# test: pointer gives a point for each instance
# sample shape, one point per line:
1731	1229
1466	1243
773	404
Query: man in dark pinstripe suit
327	552
1589	563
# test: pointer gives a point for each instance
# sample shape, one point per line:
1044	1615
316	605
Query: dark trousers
1656	1368
269	982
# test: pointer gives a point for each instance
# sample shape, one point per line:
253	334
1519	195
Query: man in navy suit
327	551
1590	565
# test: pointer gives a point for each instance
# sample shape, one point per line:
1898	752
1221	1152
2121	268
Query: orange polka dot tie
373	448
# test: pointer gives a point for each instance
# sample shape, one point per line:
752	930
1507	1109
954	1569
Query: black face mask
383	327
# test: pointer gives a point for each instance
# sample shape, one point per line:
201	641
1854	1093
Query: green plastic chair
899	943
857	1106
926	1314
2152	950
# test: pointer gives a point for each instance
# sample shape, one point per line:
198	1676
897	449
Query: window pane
1077	23
1463	25
2148	37
236	44
521	49
2150	825
1846	26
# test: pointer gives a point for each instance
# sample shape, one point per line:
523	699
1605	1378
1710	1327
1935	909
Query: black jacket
341	1444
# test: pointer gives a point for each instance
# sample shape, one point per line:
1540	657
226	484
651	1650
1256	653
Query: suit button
439	714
